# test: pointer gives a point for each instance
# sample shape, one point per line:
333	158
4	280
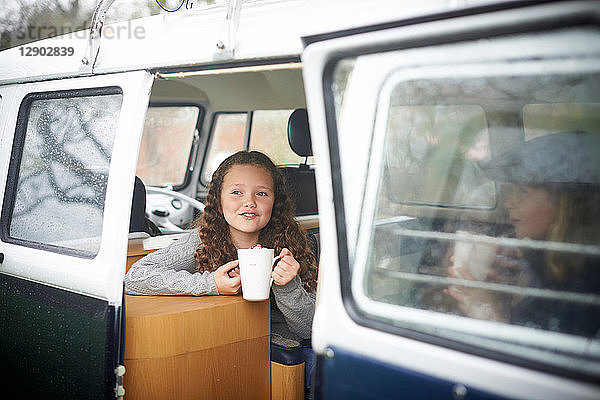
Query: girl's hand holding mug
227	278
508	267
286	269
473	302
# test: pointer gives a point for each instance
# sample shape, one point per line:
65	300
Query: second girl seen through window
554	199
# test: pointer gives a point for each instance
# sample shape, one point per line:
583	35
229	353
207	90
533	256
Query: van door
67	166
403	117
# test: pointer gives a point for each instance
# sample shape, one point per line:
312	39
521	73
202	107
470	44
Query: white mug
255	271
473	256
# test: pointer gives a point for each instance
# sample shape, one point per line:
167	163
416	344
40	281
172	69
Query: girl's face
247	198
532	211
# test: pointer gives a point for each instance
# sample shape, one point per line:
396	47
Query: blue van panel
351	376
56	344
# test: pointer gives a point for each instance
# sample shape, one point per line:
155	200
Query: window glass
547	186
166	145
481	215
432	156
229	131
63	173
269	135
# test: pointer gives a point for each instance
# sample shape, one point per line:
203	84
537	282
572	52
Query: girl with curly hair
247	204
236	216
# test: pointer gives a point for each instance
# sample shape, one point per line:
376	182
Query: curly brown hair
216	247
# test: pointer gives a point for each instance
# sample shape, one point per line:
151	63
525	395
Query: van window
60	163
481	217
268	134
167	142
227	137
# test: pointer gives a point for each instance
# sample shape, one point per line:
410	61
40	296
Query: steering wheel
162	221
183	197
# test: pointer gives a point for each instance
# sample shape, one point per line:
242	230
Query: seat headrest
299	133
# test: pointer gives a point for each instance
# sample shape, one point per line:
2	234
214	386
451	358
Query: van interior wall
235	91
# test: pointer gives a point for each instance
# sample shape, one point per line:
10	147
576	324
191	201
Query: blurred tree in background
24	21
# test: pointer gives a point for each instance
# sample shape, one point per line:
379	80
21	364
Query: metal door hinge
119	389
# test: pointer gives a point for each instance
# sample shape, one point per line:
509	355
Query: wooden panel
233	371
287	381
185	347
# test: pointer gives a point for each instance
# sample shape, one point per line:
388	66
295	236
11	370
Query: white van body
283	55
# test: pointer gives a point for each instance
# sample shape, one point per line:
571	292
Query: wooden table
186	347
182	347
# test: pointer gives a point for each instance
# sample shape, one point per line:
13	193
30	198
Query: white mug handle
275	261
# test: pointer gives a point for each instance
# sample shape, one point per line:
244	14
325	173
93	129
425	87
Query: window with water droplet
59	169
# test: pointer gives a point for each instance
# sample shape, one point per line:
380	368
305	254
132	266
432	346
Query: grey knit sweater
172	271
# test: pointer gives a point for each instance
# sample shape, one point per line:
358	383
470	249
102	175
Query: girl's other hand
286	269
509	267
473	302
227	278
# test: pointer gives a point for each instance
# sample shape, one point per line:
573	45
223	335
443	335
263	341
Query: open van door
402	114
69	151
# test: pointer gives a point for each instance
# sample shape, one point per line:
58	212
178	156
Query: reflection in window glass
548	188
269	135
64	168
474	262
166	145
433	155
227	137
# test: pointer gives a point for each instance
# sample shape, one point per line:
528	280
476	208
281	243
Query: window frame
535	23
14	167
423	320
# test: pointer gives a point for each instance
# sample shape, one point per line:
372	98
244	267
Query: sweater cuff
211	285
290	286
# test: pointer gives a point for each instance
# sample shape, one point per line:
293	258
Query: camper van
443	158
